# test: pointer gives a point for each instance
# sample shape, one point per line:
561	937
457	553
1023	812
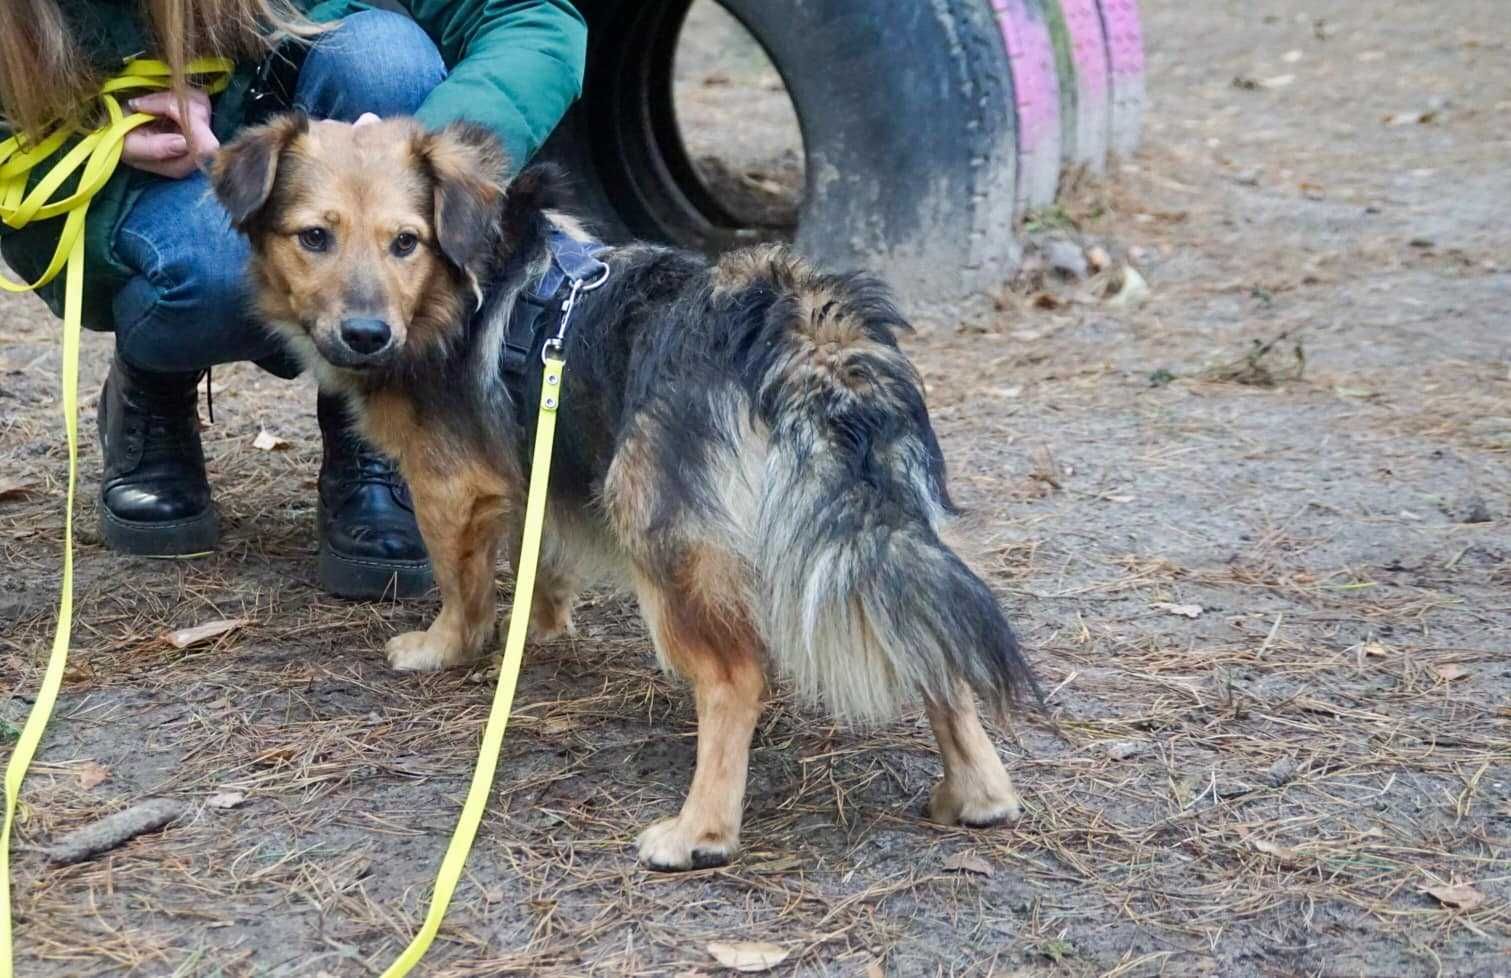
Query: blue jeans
187	307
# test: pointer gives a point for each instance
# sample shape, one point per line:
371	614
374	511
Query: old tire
909	128
1125	63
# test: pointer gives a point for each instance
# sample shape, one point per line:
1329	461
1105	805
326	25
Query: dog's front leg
461	524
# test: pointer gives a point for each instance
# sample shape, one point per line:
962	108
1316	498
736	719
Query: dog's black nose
365	336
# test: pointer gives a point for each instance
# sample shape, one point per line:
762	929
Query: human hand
162	146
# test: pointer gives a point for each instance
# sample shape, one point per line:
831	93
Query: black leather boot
370	544
154	498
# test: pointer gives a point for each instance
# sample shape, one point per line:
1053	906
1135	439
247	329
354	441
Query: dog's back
774	473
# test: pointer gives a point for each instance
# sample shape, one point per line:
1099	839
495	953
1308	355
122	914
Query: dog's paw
669	846
419	652
976	807
551	618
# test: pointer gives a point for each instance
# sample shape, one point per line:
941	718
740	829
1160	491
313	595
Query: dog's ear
541	187
467	164
244	169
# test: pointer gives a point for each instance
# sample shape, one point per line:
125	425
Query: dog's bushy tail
865	605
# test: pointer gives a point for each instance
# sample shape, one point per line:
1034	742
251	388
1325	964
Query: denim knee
186	307
373	61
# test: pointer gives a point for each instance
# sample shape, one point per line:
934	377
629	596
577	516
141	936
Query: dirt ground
1271	612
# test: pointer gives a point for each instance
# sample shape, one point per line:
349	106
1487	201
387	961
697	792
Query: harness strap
538	311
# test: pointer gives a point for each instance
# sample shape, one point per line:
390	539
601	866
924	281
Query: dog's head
368	241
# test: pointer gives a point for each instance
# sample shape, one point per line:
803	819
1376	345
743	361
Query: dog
740	442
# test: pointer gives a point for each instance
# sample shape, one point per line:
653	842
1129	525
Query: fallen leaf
276	756
1121	750
873	970
967	862
92	774
1460	897
1184	789
1283	853
185	637
269	442
781	865
1375	649
14	489
1448	672
1360	393
1184	610
748	955
1131	290
226	799
1410	118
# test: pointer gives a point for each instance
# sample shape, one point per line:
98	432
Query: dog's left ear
467	164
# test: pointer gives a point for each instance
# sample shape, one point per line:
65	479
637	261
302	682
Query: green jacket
515	67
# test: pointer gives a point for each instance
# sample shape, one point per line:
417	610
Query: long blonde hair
46	77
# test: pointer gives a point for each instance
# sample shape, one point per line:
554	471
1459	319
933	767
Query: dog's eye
315	239
405	244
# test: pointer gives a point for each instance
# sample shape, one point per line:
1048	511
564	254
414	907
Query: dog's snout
365	336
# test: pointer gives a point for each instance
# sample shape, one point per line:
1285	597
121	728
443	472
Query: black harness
538	320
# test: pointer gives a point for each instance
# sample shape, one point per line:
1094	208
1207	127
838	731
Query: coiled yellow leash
98	153
94	158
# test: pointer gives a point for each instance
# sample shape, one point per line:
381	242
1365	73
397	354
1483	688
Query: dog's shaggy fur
743	443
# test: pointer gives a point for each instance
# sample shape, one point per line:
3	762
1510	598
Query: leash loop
94	158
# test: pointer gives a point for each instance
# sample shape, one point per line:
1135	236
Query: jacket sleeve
517	66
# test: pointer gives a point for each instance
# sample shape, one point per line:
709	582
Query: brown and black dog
742	443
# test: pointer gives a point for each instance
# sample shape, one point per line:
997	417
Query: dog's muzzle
356	343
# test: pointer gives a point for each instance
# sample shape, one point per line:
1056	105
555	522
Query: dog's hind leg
461	521
976	790
703	632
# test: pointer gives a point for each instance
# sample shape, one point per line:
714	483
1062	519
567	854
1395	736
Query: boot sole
369	580
193	537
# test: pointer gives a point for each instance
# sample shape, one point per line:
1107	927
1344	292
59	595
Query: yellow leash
508	674
98	153
94	158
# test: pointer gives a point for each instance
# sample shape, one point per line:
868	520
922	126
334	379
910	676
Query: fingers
168	104
148	145
163	147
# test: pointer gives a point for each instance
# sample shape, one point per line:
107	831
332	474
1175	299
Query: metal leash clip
553	346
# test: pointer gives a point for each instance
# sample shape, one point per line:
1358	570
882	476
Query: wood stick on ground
115	830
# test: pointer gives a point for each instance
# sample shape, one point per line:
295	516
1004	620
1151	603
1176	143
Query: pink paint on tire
1088	50
1125	60
1036	92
